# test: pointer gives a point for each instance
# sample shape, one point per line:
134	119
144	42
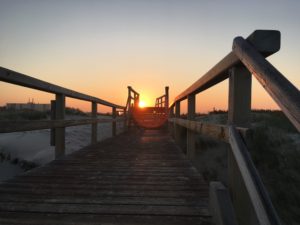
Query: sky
101	47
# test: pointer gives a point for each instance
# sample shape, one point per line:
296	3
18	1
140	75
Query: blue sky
100	47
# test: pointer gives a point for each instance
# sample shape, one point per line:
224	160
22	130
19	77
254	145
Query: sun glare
142	104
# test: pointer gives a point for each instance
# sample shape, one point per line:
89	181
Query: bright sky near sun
100	47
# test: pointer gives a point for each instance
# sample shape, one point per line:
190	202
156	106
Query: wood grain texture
139	177
284	93
217	131
265	41
239	101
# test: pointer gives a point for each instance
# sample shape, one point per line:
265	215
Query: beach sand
33	147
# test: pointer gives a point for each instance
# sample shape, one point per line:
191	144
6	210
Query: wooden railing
250	200
163	101
133	101
133	98
58	123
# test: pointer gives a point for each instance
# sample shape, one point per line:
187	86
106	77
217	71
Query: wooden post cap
267	42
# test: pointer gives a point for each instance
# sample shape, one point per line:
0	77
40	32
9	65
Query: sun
142	104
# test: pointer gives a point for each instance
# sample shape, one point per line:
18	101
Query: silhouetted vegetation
218	111
75	111
275	150
22	115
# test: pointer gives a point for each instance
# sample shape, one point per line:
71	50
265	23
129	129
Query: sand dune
34	146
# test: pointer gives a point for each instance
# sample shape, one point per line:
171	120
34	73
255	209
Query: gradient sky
101	47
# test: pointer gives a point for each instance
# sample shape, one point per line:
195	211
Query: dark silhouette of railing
148	117
58	123
250	200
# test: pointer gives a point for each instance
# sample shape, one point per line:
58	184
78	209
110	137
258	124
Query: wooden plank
212	130
265	41
74	219
105	209
92	193
104	187
135	174
68	199
13	77
284	93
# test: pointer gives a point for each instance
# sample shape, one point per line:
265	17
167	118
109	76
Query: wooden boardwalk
139	177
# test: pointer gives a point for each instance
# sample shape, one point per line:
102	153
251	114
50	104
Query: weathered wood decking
140	177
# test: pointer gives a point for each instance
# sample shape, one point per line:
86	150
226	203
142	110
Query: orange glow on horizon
142	104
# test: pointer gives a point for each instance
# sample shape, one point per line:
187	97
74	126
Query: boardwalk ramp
139	177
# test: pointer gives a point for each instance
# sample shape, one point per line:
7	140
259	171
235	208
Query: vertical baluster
177	127
52	117
239	111
114	123
94	125
60	131
191	134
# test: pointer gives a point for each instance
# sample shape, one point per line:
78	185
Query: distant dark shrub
75	111
23	115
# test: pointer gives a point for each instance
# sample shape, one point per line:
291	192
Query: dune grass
275	150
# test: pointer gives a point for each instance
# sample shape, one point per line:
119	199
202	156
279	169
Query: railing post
191	134
167	98
239	107
60	131
239	112
94	125
171	124
114	123
177	127
136	100
125	120
129	108
52	117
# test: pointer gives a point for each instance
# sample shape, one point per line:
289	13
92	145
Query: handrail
13	77
57	123
163	99
266	42
132	90
135	98
216	131
244	182
257	192
285	94
159	101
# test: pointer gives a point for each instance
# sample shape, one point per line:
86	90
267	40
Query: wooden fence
163	101
58	123
250	199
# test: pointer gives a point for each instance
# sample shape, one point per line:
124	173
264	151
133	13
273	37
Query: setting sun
142	104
